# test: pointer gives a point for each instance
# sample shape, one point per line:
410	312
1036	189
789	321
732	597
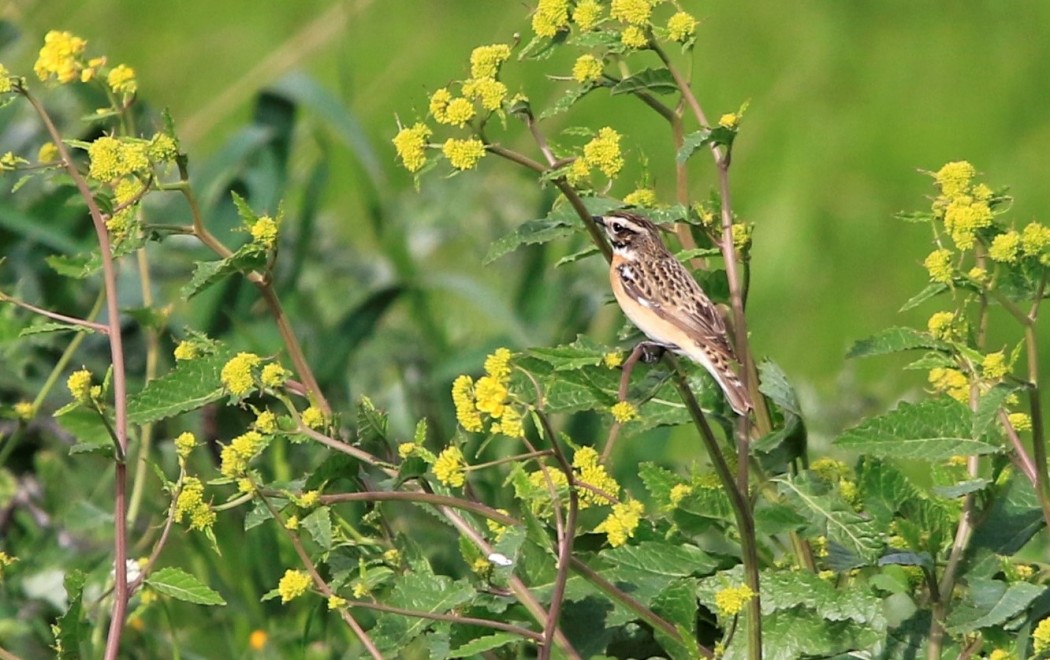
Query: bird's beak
598	220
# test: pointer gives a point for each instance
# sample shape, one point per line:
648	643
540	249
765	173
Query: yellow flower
848	490
587	14
977	275
730	120
956	461
642	197
578	172
257	640
963	217
112	158
622	522
184	444
5	561
309	499
392	556
245	485
951	381
681	26
361	590
457	112
190	504
450	468
292	523
406	449
121	80
24	410
491	395
587	68
497	365
79	385
1041	637
489	91
603	152
495	528
741	236
634	37
485	61
237	374
274	375
731	600
242	449
264	231
634	12
6	83
1005	247
954	178
313	418
438	102
48	153
463	397
162	148
550	17
592	473
60	57
336	602
1035	238
623	412
679	492
266	422
994	365
293	584
612	360
9	161
463	154
187	350
510	424
820	546
481	566
829	469
939	264
1020	421
942	325
411	146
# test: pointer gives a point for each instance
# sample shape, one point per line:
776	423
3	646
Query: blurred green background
848	100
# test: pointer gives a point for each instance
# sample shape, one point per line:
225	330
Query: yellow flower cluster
612	360
1005	247
1035	239
539	497
411	146
1041	636
293	584
731	600
490	396
603	152
623	412
939	265
238	375
485	61
242	449
954	178
121	80
274	375
113	158
678	493
591	472
634	37
336	602
644	197
741	236
190	504
24	410
60	57
951	381
551	17
184	444
265	422
730	120
79	385
587	69
463	154
1020	421
942	325
587	14
681	26
6	82
994	365
450	468
309	499
162	148
632	12
313	418
48	152
829	469
962	205
264	231
622	522
187	350
487	91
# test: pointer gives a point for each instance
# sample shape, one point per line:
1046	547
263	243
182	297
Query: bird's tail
736	394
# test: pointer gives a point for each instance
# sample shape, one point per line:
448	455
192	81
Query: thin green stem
432	499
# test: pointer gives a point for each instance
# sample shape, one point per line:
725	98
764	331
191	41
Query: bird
660	297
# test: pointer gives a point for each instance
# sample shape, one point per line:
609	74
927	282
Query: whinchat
662	299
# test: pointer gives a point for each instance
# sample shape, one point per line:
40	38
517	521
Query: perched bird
663	300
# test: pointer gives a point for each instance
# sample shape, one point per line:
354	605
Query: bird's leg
651	351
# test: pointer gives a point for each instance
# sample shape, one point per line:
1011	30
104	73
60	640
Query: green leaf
51	327
319	525
576	256
422	592
659	482
581	353
192	384
180	585
930	291
677	605
777	518
961	488
71	630
567	100
988	408
1015	517
477	647
691	143
788	442
828	511
76	266
884	488
991	603
661	558
894	340
562	221
248	258
90	432
658	81
371	421
933	430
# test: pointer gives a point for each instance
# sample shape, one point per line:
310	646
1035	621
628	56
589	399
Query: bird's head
630	233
